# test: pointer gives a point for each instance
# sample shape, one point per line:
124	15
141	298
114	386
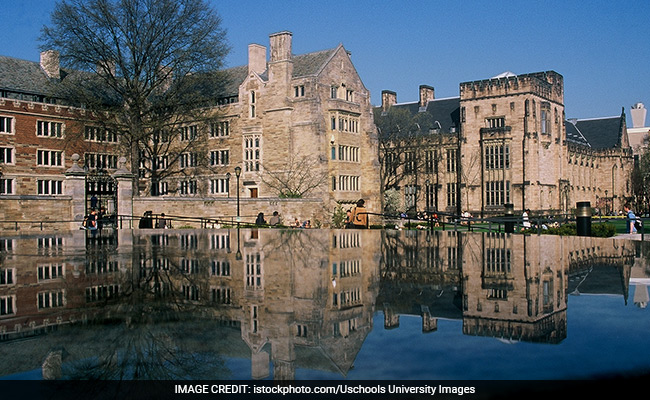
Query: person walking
630	218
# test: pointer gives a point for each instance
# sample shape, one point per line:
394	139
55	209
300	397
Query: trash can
583	218
509	218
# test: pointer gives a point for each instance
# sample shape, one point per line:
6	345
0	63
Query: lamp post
237	174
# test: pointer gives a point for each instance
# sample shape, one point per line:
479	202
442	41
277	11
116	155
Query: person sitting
162	222
260	219
275	219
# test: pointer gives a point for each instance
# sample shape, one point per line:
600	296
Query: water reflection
182	304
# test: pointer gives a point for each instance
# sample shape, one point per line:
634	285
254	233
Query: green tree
144	68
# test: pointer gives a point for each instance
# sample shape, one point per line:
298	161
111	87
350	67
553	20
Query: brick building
506	140
298	127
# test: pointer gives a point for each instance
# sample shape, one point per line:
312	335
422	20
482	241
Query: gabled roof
597	133
303	65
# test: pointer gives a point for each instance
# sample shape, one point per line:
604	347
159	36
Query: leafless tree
298	177
144	69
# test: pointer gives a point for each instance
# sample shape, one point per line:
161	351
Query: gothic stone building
505	140
308	114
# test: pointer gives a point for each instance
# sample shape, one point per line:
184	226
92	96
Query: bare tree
144	69
297	179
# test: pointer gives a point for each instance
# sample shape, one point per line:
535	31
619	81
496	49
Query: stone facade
508	142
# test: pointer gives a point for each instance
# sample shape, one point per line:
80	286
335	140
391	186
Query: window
220	241
220	268
253	271
6	276
97	134
497	193
451	160
161	163
191	292
345	123
6	125
49	186
545	119
252	152
299	91
497	122
219	186
410	192
51	158
7	305
188	160
348	183
221	295
6	155
189	187
253	101
162	188
102	292
348	153
497	156
50	271
219	157
189	133
49	129
334	91
431	161
451	194
409	162
100	160
51	299
220	129
349	95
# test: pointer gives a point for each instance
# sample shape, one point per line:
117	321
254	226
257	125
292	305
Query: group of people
147	221
94	220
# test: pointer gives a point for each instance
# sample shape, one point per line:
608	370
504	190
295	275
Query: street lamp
237	173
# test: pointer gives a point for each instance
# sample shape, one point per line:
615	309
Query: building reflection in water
170	304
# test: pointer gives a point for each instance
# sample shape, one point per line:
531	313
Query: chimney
427	94
638	113
50	64
256	58
281	46
388	98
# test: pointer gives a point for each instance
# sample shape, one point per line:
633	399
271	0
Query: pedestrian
260	219
348	219
146	222
162	222
526	221
360	216
275	219
630	218
296	223
93	201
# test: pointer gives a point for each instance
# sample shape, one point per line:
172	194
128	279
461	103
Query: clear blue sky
599	46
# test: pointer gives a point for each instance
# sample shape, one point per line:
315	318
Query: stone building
506	140
289	133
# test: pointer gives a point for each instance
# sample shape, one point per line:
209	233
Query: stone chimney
281	46
256	58
50	64
638	113
427	94
388	98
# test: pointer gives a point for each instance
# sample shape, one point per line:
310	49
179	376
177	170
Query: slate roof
597	133
27	77
445	112
24	76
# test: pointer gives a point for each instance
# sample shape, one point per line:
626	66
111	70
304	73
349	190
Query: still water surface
321	304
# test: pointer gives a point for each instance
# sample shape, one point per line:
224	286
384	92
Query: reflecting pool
321	304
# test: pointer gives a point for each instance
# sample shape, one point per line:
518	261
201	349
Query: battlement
547	85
